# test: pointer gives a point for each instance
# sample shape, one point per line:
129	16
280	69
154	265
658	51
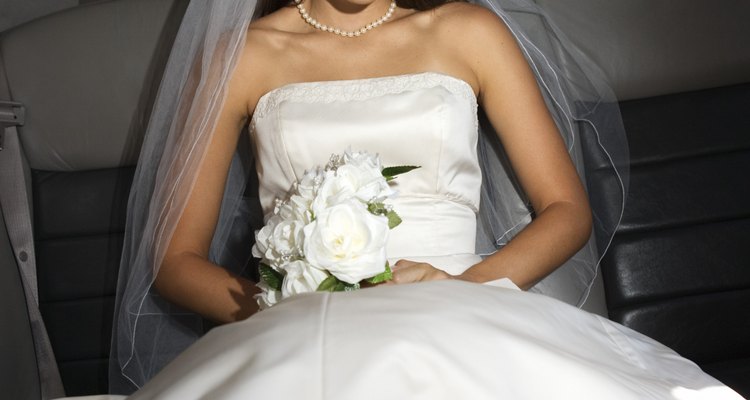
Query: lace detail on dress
361	89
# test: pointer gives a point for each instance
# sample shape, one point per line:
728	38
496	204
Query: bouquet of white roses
330	233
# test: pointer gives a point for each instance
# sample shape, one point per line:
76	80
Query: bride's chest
425	119
406	119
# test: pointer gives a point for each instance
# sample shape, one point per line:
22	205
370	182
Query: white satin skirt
435	340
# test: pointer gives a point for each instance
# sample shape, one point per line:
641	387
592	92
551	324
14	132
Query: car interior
76	89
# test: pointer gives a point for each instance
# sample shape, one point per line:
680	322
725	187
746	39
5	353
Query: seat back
87	77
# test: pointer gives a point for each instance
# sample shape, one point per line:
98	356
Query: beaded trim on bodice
361	89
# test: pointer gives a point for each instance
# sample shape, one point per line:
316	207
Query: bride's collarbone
404	46
323	59
313	62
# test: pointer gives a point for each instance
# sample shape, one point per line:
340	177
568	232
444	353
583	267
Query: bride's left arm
511	98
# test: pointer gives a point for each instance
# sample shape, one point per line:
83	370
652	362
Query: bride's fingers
397	266
419	272
405	271
402	264
408	274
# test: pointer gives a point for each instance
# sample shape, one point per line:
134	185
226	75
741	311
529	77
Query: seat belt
15	205
14	197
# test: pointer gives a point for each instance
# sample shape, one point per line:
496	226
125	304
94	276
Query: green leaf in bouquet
393	219
270	276
391	172
384	276
377	208
348	287
329	284
333	284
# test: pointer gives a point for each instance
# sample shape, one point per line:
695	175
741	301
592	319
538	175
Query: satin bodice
426	119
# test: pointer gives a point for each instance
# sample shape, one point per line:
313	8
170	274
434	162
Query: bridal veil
149	332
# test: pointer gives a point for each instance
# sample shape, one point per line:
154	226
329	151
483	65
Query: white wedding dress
435	340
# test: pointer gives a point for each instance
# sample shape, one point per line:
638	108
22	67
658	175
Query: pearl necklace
361	31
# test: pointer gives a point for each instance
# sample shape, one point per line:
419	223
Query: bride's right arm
186	276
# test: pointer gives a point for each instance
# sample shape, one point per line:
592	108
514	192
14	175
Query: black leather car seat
679	267
87	77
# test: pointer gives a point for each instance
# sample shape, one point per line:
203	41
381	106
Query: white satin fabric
435	340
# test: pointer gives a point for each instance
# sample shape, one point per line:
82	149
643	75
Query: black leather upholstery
79	219
679	267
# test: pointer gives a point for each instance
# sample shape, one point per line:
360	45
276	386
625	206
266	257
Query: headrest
87	77
17	12
654	47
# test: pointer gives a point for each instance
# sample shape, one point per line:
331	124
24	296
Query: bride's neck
346	14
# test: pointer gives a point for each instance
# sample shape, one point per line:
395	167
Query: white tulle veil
148	331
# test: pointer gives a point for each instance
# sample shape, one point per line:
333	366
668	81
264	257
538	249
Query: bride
470	50
404	80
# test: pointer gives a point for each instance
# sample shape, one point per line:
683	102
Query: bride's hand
405	271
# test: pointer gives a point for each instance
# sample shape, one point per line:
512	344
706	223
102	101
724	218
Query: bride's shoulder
476	35
267	41
470	35
466	22
272	32
460	8
466	30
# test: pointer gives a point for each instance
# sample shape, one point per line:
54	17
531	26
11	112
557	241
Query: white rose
302	209
307	187
348	241
372	185
362	182
287	239
279	240
263	247
267	297
362	158
366	181
334	190
301	277
296	208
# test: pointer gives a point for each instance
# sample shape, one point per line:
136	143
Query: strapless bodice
426	119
